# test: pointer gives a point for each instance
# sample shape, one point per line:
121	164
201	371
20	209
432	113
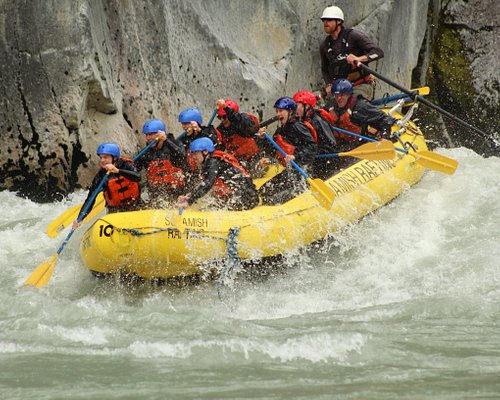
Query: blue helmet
109	148
201	144
342	86
286	103
190	114
154	126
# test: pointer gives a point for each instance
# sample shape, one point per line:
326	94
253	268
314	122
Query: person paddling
320	120
357	115
221	174
297	141
238	133
191	121
165	164
121	190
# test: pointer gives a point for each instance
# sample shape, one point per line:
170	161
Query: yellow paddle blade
422	91
382	150
324	194
435	161
66	218
41	275
63	221
99	207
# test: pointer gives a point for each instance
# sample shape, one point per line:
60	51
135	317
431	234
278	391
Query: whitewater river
403	304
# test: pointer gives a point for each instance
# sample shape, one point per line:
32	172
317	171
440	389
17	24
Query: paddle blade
382	150
71	214
435	161
99	207
324	194
63	221
42	274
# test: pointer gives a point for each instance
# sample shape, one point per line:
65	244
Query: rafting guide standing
342	49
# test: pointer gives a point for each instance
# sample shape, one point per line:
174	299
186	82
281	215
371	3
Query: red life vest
121	191
241	147
163	172
326	115
314	134
343	121
220	188
287	147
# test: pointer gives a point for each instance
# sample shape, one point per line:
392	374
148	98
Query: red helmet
306	97
231	104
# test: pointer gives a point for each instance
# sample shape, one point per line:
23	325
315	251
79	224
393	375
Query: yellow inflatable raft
162	243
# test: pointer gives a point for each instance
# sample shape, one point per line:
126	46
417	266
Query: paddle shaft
88	204
365	138
277	147
385	100
421	99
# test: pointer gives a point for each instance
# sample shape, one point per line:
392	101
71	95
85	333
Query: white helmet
333	12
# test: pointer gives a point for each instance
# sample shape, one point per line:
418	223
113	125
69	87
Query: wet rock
78	73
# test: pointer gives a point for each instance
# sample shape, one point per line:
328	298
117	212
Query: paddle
67	217
421	99
41	275
383	150
425	158
386	100
319	189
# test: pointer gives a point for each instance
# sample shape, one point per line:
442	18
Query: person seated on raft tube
164	163
191	122
221	173
357	115
342	49
238	134
296	139
121	190
321	122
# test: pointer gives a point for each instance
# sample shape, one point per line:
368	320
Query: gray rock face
78	73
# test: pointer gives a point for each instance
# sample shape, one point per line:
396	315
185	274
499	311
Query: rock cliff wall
81	72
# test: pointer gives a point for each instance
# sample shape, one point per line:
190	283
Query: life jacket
164	173
338	67
241	147
314	134
326	115
220	188
121	191
342	119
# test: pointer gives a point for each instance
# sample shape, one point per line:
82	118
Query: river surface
404	304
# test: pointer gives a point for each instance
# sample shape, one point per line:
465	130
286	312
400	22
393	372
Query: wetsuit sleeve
364	114
210	172
324	130
177	151
243	123
365	46
211	133
305	146
128	170
93	187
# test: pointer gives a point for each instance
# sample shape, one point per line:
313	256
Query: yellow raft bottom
162	243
